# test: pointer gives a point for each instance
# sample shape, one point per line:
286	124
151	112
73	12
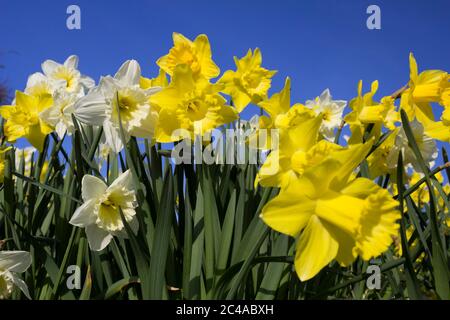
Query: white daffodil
331	111
100	212
59	115
66	76
122	96
11	263
427	147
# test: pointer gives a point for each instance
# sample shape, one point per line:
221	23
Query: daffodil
280	116
333	215
189	104
427	147
365	111
195	54
66	75
298	149
11	263
427	87
23	121
100	214
423	88
59	115
120	98
378	159
250	82
330	111
2	162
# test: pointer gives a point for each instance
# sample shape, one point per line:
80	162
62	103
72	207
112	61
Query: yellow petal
349	159
378	224
315	249
279	102
340	210
203	50
288	212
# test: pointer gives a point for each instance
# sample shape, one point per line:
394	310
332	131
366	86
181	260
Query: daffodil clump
337	185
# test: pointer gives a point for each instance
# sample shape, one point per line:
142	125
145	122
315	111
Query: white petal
91	109
87	82
49	66
71	62
36	78
50	115
92	187
125	180
19	283
108	86
152	90
15	261
129	73
84	215
60	129
98	238
325	96
145	128
112	136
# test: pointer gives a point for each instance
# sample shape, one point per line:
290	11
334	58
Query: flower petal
98	238
112	136
84	215
19	283
92	187
15	261
91	109
288	213
315	249
125	180
129	73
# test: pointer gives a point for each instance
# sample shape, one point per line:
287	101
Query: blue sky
319	44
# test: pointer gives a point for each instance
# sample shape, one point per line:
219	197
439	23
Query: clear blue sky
319	44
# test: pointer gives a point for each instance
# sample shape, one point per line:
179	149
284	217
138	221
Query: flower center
67	75
109	215
6	286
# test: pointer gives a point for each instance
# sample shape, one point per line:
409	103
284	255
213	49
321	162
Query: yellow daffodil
333	215
365	111
427	87
423	88
378	159
250	82
2	162
412	246
100	212
280	116
11	263
195	54
189	104
22	119
298	149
